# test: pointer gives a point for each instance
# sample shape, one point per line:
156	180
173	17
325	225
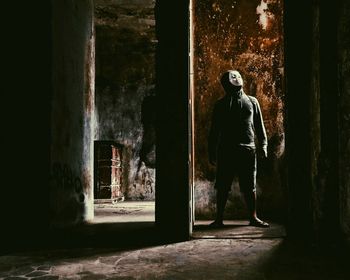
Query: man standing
236	121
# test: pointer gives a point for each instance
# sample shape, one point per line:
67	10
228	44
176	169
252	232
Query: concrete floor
126	211
196	259
237	251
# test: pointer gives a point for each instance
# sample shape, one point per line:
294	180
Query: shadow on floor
294	260
237	229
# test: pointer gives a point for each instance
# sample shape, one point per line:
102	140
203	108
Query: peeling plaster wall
247	36
125	73
344	117
72	113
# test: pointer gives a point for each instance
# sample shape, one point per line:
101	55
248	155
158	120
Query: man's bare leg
221	199
250	198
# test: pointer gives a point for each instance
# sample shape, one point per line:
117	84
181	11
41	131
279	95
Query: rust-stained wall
247	36
71	196
125	73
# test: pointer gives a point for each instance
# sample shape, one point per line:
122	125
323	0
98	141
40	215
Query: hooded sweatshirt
236	121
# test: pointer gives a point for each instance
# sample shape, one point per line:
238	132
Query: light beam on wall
263	16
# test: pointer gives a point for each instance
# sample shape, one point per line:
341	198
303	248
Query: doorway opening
124	144
246	36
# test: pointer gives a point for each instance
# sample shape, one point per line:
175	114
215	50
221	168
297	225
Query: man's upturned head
231	79
235	78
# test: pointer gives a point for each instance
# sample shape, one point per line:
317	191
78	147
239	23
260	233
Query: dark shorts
240	162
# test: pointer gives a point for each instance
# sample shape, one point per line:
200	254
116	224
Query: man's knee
248	188
222	191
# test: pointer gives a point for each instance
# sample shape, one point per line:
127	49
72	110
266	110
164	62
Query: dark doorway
108	171
246	36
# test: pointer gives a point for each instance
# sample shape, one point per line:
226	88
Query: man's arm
260	128
213	138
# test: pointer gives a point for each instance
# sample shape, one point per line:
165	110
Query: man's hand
264	165
212	161
262	153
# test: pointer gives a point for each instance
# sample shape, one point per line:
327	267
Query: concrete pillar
299	61
344	116
172	152
72	116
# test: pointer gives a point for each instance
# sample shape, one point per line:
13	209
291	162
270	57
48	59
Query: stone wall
125	79
247	36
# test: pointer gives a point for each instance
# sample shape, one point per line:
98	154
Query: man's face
235	78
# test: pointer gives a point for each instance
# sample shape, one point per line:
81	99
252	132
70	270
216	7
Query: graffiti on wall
67	198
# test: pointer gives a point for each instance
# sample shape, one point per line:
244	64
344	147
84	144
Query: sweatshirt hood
229	88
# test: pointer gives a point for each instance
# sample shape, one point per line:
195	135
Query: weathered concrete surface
125	79
197	259
248	36
71	193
